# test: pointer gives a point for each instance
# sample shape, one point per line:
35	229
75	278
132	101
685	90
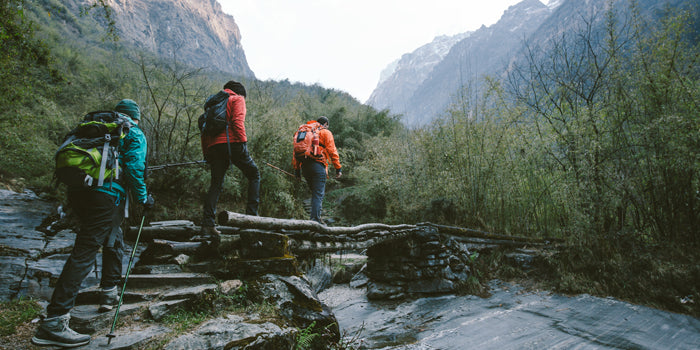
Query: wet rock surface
511	318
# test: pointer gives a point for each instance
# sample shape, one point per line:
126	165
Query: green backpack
89	155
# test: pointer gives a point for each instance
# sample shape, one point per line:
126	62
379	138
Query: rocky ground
172	301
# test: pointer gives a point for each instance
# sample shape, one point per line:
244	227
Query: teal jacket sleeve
133	160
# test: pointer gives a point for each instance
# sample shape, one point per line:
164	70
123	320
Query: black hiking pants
100	216
219	160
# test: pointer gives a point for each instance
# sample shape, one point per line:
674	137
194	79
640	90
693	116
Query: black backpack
214	120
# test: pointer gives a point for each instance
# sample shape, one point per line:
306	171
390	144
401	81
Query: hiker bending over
100	211
313	163
227	147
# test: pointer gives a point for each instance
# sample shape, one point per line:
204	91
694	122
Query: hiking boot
212	234
55	331
108	299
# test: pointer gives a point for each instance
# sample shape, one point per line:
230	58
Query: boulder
234	332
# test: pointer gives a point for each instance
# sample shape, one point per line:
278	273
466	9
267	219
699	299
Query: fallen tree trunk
470	233
229	218
171	233
163	247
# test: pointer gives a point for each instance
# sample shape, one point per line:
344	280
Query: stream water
510	319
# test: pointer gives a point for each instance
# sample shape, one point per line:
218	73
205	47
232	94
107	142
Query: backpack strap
103	162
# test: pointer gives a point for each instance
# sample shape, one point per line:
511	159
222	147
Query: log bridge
308	237
402	260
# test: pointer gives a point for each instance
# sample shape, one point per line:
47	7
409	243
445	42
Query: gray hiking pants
100	216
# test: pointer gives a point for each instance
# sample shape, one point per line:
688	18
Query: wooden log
471	233
164	247
171	233
229	218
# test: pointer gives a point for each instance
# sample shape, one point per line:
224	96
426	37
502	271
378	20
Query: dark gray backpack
214	119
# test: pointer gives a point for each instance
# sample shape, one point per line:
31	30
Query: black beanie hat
322	120
235	87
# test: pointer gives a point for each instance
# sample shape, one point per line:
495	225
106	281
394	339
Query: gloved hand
338	173
149	203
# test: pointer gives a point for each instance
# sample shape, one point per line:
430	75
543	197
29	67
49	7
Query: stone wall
421	263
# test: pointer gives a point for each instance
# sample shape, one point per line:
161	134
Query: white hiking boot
55	331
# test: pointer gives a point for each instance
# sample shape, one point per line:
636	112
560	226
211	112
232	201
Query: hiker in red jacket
222	150
315	170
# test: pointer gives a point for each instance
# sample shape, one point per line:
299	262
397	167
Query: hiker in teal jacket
100	212
132	156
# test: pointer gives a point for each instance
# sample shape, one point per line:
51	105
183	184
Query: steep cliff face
400	79
196	32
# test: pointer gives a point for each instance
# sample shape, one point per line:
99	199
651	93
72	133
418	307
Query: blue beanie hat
128	107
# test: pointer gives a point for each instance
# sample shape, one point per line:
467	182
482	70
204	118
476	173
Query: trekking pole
126	278
286	172
163	166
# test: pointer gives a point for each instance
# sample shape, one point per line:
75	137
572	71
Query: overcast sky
345	44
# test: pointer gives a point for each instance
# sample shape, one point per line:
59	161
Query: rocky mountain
422	89
195	32
401	78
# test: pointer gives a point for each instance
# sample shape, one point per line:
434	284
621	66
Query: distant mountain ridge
402	77
421	95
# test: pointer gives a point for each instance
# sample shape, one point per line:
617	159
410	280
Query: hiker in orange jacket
315	172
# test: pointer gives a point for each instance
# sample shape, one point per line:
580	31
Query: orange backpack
306	144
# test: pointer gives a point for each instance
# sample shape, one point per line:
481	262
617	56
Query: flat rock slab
21	242
157	269
23	210
126	339
511	318
85	318
189	292
61	243
12	270
91	296
164	308
232	332
168	279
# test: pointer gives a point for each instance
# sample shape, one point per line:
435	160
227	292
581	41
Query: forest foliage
594	138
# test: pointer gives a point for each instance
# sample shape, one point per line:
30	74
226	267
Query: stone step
91	296
164	308
168	279
189	292
128	338
85	318
157	269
